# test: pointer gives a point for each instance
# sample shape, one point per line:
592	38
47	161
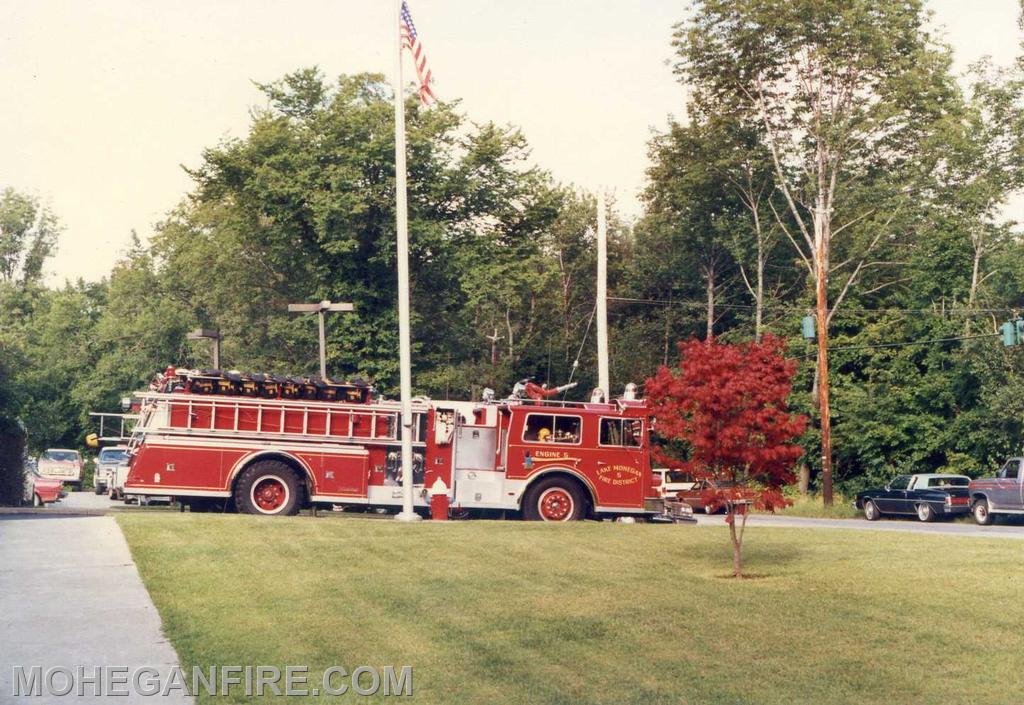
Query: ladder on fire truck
232	416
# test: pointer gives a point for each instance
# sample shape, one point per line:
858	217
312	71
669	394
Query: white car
673	482
62	464
107	463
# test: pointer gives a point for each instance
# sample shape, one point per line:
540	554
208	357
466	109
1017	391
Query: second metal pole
602	298
323	346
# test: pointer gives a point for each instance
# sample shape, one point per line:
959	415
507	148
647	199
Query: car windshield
63	456
113	456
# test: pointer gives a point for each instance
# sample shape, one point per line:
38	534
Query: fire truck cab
273	454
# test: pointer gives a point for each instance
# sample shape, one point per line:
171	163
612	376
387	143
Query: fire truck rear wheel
554	499
268	487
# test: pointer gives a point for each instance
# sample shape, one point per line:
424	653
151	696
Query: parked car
928	495
673	481
700	495
107	462
62	464
1002	494
39	490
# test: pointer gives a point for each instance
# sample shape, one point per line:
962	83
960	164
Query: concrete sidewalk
70	596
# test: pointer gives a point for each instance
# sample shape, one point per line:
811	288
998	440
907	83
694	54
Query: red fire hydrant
439	500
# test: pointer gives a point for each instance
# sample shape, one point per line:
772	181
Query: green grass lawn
512	612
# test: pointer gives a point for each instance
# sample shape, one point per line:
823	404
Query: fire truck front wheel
554	499
268	487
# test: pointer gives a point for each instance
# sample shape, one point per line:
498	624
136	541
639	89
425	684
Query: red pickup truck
1002	494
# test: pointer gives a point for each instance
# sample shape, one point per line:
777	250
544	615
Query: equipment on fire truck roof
267	386
526	388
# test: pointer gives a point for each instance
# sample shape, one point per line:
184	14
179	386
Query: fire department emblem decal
618	475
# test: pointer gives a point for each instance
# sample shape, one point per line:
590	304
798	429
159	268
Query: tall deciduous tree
727	406
983	165
686	204
28	235
302	208
845	93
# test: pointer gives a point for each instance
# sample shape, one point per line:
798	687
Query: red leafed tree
726	406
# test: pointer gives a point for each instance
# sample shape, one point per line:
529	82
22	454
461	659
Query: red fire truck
272	445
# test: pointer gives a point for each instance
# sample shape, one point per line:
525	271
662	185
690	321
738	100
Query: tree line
830	164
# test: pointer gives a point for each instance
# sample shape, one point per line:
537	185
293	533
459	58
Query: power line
799	309
903	344
576	362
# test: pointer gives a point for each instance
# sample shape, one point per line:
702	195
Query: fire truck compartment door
343	474
473	487
474	448
476	481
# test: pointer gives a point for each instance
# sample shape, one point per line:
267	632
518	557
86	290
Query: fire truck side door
477	480
616	457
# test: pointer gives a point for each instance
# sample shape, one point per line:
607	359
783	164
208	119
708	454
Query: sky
106	100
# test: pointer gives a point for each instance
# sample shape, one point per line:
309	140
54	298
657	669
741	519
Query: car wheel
268	487
925	512
982	514
37	501
710	509
554	499
871	512
99	489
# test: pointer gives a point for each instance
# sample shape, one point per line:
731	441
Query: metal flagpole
602	298
402	223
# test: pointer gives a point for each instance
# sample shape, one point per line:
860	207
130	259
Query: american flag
411	42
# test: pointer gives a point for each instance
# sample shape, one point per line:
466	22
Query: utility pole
602	298
207	334
821	263
320	309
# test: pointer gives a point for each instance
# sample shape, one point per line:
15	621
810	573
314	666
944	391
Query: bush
813	506
89	474
12	469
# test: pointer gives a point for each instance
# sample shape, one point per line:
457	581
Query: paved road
86	500
70	596
944	528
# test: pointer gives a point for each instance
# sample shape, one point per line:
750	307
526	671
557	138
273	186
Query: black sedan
928	495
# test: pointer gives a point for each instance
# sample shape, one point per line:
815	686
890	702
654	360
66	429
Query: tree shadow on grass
763	561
